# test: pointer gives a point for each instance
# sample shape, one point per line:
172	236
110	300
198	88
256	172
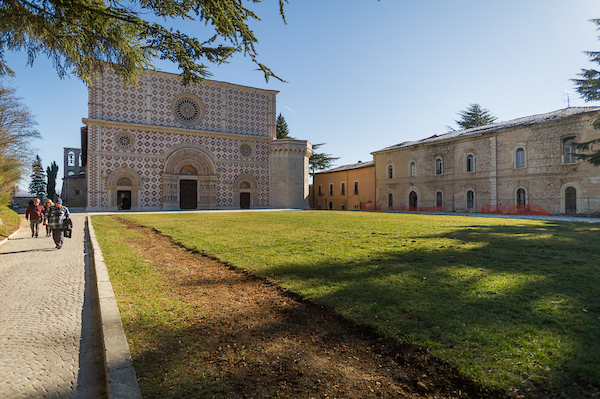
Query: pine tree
320	161
38	178
81	37
51	172
589	89
282	128
474	116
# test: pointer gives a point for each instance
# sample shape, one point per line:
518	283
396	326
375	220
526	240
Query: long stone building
522	162
163	146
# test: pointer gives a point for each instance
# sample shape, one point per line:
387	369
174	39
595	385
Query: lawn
509	302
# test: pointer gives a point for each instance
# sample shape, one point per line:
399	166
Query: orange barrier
515	210
417	209
370	208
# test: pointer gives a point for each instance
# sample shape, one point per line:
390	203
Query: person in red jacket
35	215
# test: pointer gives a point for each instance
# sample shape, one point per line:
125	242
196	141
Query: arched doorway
570	200
189	179
413	200
123	187
521	199
390	200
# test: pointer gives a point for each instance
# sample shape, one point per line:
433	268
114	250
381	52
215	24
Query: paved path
46	324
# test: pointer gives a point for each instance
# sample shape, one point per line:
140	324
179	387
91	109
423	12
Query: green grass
9	221
509	302
157	324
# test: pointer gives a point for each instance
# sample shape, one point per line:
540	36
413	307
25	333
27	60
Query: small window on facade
521	197
320	190
569	151
77	192
470	163
330	188
71	159
390	172
438	166
343	188
355	187
413	169
438	198
520	158
343	207
390	200
470	199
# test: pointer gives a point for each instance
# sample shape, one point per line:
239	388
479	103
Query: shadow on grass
519	302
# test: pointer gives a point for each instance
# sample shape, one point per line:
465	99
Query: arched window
390	171
521	200
438	198
470	199
390	200
520	158
470	163
413	169
438	166
569	151
71	158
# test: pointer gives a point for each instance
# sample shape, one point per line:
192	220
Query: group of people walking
55	216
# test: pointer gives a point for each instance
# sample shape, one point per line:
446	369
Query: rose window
124	140
245	150
187	110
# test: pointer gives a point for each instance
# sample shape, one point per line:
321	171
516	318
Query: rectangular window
343	188
355	187
76	192
330	188
569	151
320	190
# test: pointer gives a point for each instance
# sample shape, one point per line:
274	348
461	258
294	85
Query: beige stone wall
495	178
289	173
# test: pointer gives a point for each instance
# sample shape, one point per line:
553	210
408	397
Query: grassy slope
507	301
9	221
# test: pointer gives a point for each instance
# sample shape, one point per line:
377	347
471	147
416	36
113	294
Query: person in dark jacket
47	205
58	218
35	215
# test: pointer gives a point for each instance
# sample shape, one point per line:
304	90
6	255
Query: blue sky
363	75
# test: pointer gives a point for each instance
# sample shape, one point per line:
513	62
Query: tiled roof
348	167
528	120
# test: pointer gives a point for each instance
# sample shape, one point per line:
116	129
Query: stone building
73	190
523	162
347	187
163	146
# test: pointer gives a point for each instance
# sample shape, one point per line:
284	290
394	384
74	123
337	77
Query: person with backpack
59	219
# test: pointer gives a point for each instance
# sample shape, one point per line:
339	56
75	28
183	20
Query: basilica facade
163	146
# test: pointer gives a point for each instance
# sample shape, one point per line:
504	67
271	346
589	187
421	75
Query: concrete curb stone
121	380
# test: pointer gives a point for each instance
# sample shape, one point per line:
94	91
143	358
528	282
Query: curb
121	381
15	233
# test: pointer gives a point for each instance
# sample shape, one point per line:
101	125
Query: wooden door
245	200
188	196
